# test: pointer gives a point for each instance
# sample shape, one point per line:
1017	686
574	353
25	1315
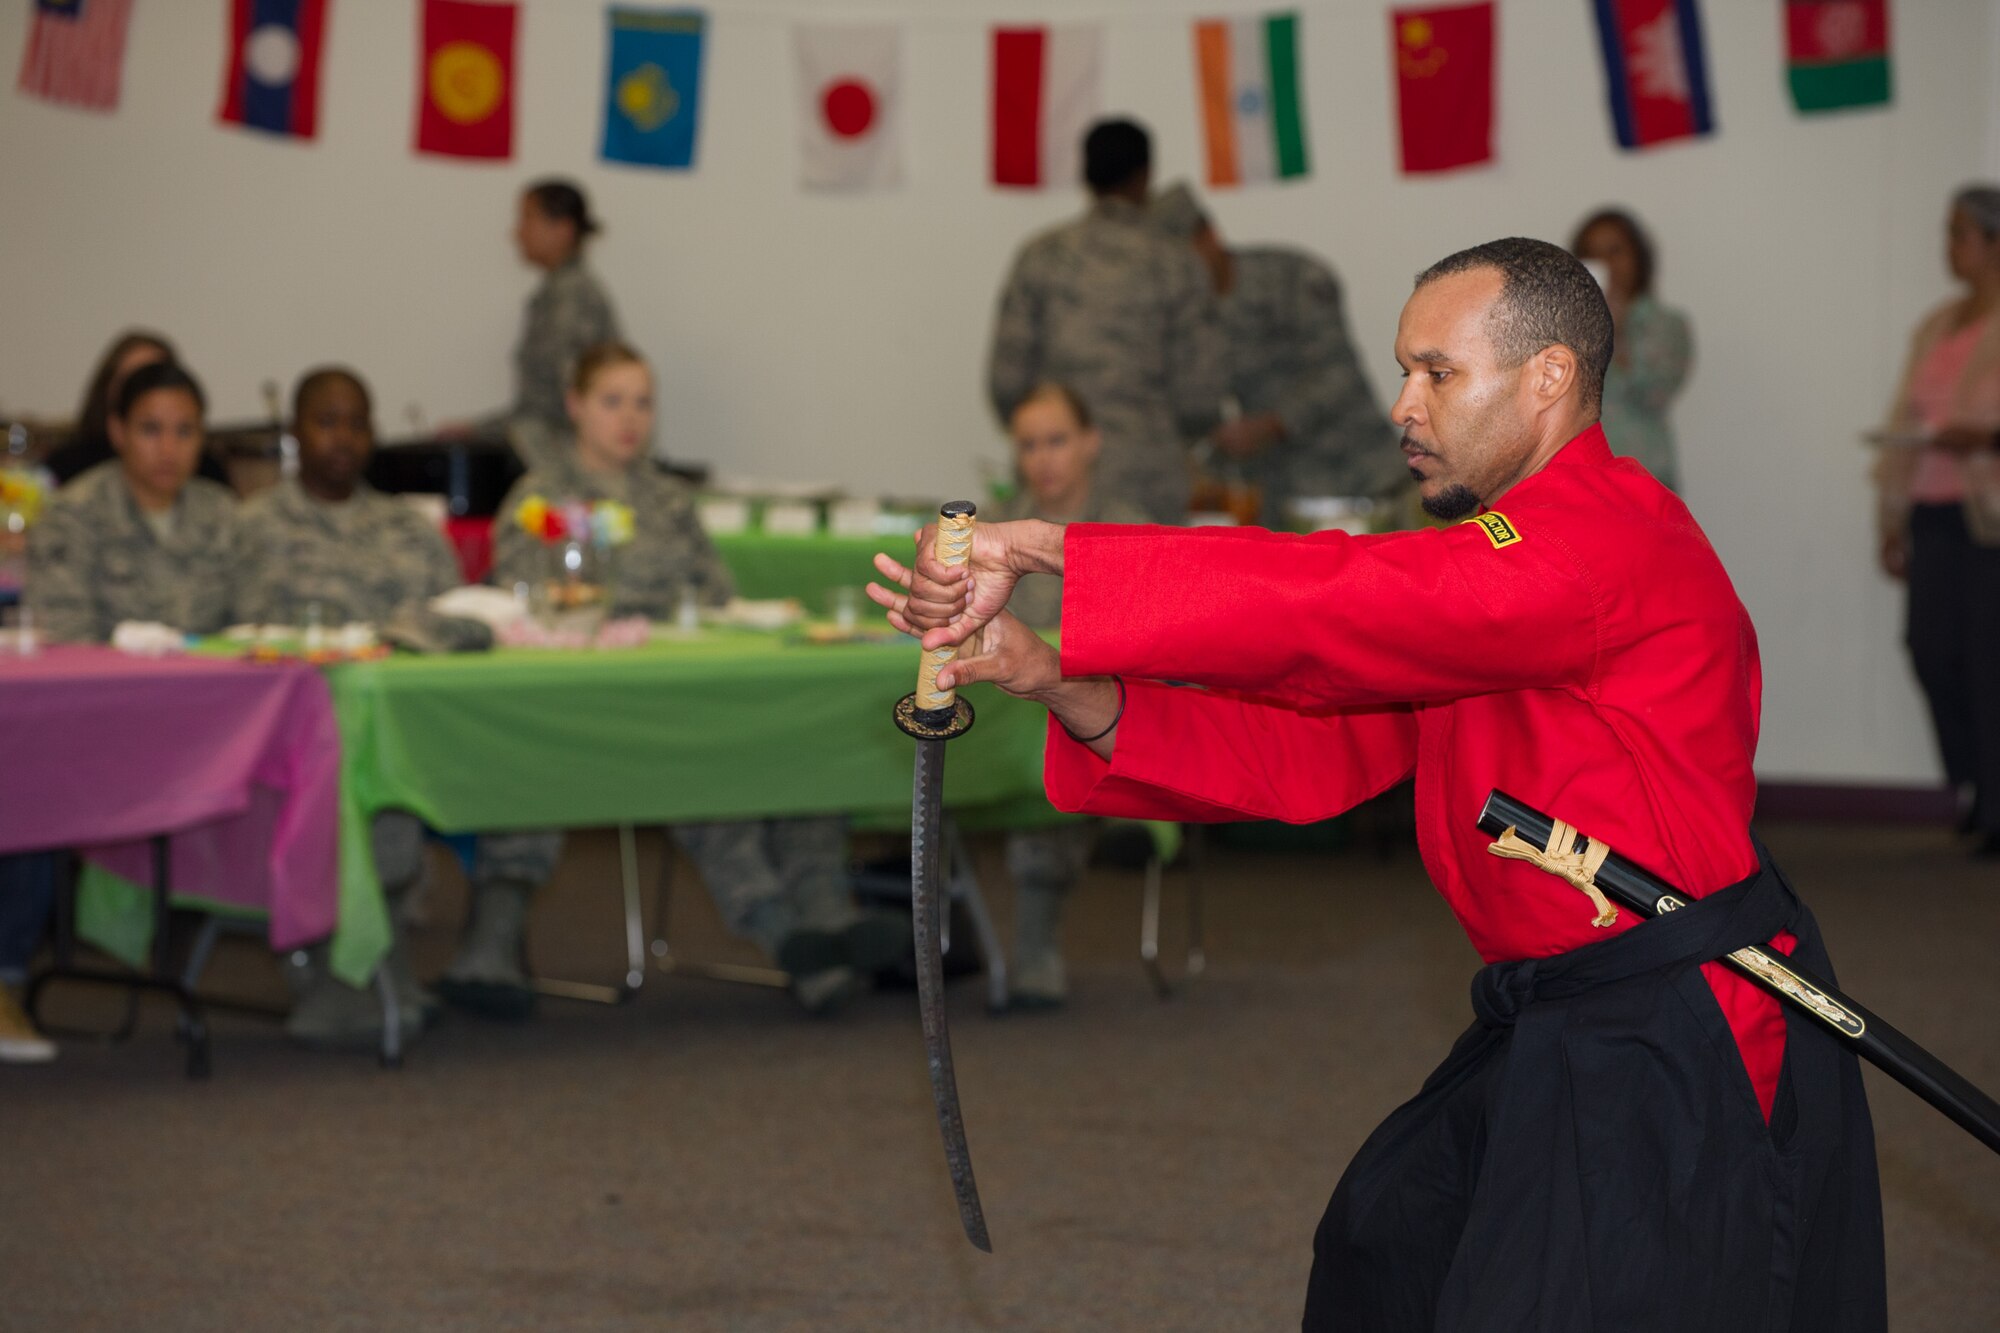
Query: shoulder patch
1497	529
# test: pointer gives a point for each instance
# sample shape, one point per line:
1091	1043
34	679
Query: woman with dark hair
1940	510
568	313
1652	345
139	537
91	442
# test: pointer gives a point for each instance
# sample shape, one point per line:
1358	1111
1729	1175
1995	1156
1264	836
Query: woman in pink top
1940	492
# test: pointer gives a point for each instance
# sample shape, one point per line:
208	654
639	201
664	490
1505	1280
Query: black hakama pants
1591	1156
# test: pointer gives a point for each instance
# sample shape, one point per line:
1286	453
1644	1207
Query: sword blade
926	893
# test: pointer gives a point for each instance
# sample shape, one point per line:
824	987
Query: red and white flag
1047	88
850	105
76	52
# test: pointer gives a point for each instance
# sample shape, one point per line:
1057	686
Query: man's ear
1555	374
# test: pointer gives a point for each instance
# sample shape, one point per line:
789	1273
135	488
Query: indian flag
1249	72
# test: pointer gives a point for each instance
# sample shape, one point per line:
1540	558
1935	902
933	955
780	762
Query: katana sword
1872	1039
934	716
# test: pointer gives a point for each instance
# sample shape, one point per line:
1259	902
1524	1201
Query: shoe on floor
487	976
805	953
20	1043
330	1015
877	942
827	990
1038	983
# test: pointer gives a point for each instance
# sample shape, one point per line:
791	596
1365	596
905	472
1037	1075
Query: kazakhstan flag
653	104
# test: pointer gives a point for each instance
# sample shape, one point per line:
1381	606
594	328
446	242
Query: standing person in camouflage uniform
1309	424
1056	447
568	313
1126	317
780	883
140	537
327	542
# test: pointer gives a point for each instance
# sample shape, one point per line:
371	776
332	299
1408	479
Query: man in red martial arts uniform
1630	1137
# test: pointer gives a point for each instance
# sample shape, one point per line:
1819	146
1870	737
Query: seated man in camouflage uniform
140	537
1055	454
1309	423
780	883
328	546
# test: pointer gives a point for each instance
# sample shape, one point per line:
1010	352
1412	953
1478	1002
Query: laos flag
1656	70
272	79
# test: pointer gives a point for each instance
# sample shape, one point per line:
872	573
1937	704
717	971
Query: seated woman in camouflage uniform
140	537
1055	460
780	883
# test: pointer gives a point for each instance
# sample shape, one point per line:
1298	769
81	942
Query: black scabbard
1875	1041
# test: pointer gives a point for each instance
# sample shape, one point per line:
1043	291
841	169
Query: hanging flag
850	112
272	82
1838	51
1047	88
1444	85
1656	69
76	52
465	83
1250	112
652	105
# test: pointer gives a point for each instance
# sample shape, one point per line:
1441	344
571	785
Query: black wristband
1085	740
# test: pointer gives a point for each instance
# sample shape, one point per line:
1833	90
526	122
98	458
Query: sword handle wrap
954	545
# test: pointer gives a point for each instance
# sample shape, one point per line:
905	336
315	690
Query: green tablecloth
728	725
803	567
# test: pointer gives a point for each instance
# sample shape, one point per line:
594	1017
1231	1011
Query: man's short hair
1115	152
1547	297
318	378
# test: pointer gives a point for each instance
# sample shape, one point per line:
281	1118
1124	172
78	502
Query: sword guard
933	724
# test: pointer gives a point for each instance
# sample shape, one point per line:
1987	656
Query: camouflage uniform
568	314
94	560
365	558
668	552
1289	353
768	877
1126	317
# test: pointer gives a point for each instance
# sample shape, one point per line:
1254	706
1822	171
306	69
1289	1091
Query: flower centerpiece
580	538
23	491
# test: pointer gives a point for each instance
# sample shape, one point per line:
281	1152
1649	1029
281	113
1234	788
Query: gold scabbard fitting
1565	860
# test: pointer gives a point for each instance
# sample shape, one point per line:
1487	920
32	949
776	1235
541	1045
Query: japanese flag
850	113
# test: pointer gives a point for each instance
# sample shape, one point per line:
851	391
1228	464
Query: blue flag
652	104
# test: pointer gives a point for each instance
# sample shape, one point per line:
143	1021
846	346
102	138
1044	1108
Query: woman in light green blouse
1652	347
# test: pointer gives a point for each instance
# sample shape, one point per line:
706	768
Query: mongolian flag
652	106
1444	85
1656	70
1248	71
465	83
850	106
76	52
272	82
1839	53
1047	88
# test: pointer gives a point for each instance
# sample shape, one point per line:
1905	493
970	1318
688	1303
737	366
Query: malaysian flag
76	52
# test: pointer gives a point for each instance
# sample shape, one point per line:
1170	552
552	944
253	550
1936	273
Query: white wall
842	338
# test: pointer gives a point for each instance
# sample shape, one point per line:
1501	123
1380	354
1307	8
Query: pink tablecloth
240	762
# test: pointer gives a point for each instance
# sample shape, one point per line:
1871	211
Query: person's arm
1014	364
1659	356
260	599
1197	348
713	582
60	594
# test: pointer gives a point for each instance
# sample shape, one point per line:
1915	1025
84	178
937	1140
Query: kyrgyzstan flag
272	82
1656	70
465	82
850	106
1250	108
1838	51
1444	85
1047	88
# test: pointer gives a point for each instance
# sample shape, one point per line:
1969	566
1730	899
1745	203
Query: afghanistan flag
1444	85
652	106
1656	70
1250	108
1838	51
465	82
272	81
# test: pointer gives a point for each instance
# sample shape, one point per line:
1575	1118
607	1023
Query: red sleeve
1329	621
1202	756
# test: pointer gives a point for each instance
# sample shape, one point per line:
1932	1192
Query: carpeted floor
707	1158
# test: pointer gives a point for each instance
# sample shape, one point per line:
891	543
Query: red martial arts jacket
1577	645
